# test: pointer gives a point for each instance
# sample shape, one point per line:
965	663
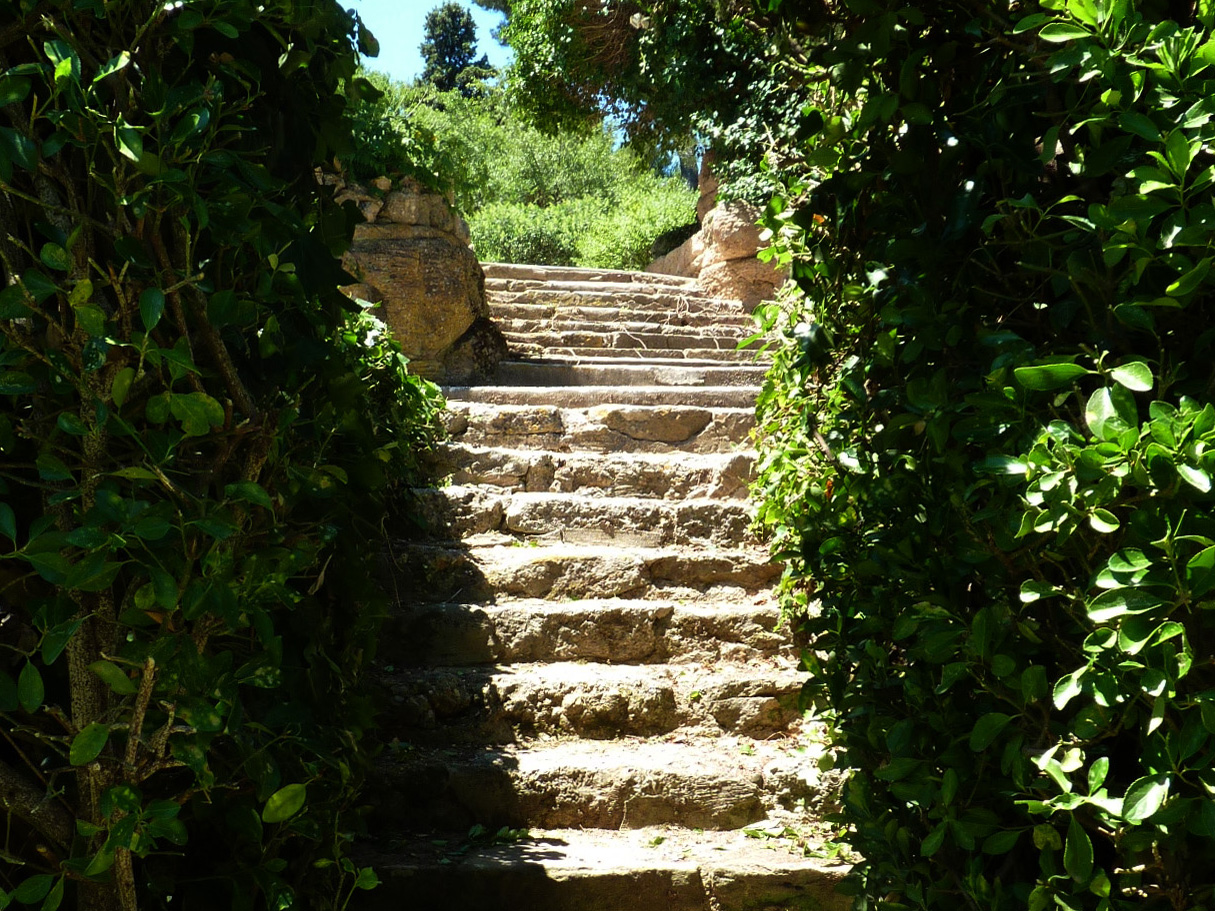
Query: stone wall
721	255
411	255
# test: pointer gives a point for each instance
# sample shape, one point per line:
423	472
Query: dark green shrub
987	446
199	435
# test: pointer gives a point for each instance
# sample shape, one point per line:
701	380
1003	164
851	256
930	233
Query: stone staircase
594	707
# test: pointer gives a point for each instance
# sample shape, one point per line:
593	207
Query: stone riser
635	304
460	512
548	315
532	275
445	573
701	356
710	334
559	371
671	341
719	476
701	783
599	702
654	869
603	428
617	631
740	397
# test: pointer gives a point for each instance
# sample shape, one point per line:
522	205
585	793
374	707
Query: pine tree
449	50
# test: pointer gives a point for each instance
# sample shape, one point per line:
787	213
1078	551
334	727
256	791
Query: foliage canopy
449	50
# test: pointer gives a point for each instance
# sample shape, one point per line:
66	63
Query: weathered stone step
719	333
520	348
635	474
602	428
615	340
633	301
460	511
482	572
614	630
720	782
595	701
545	274
658	868
586	396
548	314
559	371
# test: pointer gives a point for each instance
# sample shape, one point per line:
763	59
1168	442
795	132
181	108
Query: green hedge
987	446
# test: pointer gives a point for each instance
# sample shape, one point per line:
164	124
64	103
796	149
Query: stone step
586	396
600	428
546	274
634	474
477	571
520	348
612	630
548	314
724	334
616	340
461	511
561	371
657	868
594	701
718	782
633	301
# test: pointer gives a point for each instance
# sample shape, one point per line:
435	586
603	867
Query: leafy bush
986	448
624	235
528	195
199	436
510	233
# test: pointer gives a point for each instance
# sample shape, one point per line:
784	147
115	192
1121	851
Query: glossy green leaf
987	729
55	257
1189	282
1139	124
113	65
1109	414
1097	773
1043	377
151	307
114	677
932	843
1120	602
1078	852
1197	478
1104	521
8	522
1135	375
1059	31
285	803
30	690
249	491
88	744
33	889
1178	153
121	387
55	640
1144	797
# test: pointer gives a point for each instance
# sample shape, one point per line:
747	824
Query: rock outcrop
722	254
412	257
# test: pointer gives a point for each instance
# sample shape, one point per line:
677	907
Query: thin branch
33	806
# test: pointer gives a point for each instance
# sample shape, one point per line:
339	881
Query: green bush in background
562	198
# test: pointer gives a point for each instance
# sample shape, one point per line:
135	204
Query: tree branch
33	806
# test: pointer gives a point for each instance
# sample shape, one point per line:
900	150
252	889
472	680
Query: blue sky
399	25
